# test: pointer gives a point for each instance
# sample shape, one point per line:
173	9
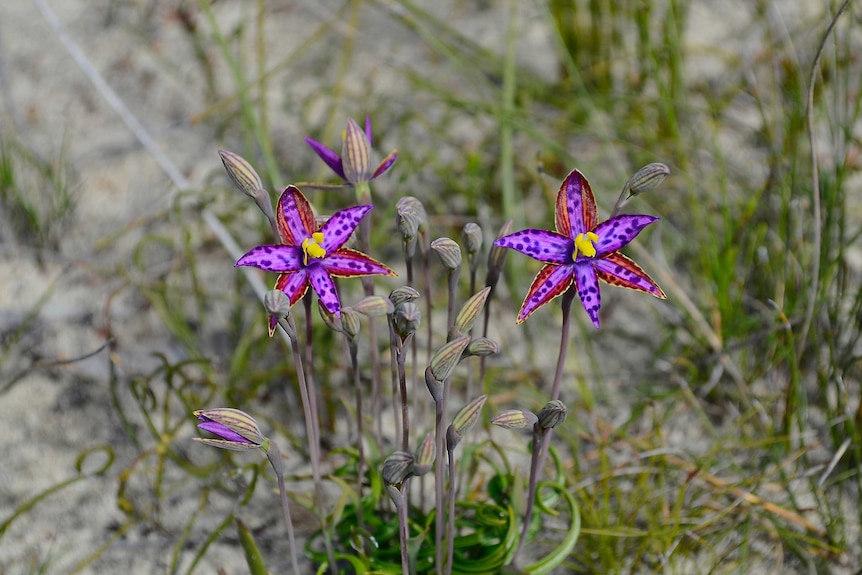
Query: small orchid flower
582	251
353	165
309	255
236	430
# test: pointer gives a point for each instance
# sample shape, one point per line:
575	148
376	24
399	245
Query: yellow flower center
311	247
584	243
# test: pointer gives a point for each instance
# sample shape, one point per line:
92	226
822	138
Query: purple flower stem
274	456
541	436
401	506
394	347
439	484
308	408
450	531
360	465
402	382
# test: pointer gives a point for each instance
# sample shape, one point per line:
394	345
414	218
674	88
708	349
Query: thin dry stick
815	184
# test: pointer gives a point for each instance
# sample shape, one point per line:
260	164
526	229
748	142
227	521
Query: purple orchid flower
236	430
312	256
581	251
352	165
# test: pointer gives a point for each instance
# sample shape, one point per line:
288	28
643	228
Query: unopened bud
397	467
497	257
469	312
403	294
424	458
647	178
349	322
240	171
409	204
374	306
515	419
553	414
466	418
481	347
277	306
355	154
449	252
472	238
236	430
407	319
443	362
331	320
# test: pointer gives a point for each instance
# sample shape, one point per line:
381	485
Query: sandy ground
68	299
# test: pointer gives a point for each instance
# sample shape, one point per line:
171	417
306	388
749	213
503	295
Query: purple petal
324	287
385	164
368	129
588	289
616	269
223	432
543	245
550	282
350	263
332	159
576	206
295	217
273	258
619	231
294	285
338	228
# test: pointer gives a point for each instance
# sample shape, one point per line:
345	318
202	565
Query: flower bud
237	430
466	418
471	236
241	172
277	305
355	154
409	204
425	454
349	322
449	252
647	178
331	320
497	257
402	295
443	362
469	312
407	319
515	419
374	306
481	347
553	414
435	388
397	468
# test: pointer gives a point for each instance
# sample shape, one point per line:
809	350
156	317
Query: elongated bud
332	321
277	306
446	358
435	388
407	222
497	257
553	414
411	205
355	154
468	415
240	171
449	252
472	238
515	419
425	454
453	438
349	322
237	430
481	347
469	312
397	468
407	319
645	179
403	294
374	306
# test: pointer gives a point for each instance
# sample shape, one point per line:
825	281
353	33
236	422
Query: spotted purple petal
338	228
619	231
273	258
325	289
588	290
551	281
294	285
576	206
616	269
332	159
350	263
543	245
295	217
